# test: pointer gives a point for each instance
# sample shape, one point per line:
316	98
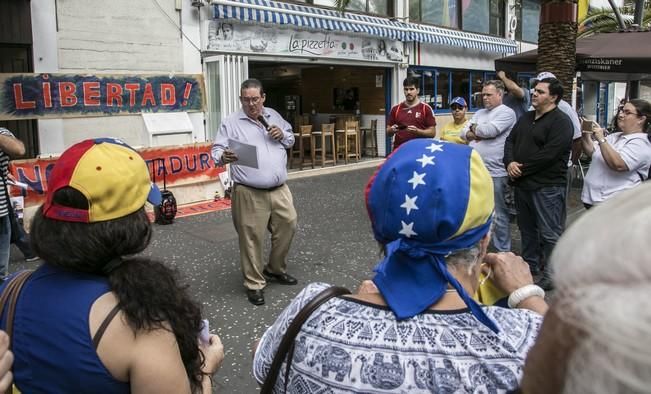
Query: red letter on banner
132	88
91	93
47	95
113	93
67	94
167	94
148	95
19	100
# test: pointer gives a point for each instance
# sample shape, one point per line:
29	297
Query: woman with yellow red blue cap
420	330
93	318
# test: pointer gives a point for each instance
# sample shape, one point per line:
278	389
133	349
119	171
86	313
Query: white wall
453	57
117	36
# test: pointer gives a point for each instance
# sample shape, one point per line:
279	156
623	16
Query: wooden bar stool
352	140
372	146
305	134
327	133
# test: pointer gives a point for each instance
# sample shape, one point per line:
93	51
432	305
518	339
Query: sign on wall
233	37
29	96
182	164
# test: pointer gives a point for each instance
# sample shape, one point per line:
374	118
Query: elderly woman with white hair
596	337
430	206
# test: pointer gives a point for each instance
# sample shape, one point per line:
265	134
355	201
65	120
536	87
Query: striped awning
307	17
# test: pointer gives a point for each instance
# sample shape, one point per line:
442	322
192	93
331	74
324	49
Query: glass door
224	75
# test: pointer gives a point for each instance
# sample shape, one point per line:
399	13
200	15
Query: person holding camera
620	160
412	118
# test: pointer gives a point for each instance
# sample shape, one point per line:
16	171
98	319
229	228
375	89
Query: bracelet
523	293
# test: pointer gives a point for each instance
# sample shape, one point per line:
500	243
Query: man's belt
268	189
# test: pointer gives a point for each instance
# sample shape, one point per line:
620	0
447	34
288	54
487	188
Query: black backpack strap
286	347
102	327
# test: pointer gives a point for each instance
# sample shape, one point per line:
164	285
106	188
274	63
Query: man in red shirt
411	118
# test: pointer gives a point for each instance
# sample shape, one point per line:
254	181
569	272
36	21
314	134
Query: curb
298	174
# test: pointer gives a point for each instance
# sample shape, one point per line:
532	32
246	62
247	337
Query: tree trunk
557	42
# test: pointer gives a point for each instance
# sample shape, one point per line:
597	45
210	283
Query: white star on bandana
417	179
409	204
407	229
425	160
435	148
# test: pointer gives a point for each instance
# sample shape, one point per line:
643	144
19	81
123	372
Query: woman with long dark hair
92	317
620	160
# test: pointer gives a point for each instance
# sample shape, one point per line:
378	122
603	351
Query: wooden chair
372	146
327	133
298	150
350	138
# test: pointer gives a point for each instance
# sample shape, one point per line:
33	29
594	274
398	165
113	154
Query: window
439	86
528	21
435	12
377	7
485	16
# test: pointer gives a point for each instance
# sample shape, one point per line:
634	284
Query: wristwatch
601	141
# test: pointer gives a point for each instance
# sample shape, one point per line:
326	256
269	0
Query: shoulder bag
286	347
9	297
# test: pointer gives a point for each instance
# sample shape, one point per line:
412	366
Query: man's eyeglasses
250	100
456	107
626	112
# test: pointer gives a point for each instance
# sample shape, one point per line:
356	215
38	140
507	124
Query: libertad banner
182	165
30	96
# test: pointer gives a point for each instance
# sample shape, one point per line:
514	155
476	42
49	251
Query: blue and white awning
441	36
301	16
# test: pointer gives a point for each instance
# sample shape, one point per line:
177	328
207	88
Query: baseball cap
459	101
544	75
427	200
112	176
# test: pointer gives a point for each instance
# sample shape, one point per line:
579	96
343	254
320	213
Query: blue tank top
52	344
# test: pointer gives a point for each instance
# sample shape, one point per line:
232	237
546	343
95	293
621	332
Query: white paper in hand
204	334
247	155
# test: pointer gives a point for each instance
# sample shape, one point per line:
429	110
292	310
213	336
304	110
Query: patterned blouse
349	346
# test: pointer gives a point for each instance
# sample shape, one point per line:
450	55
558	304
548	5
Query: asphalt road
333	244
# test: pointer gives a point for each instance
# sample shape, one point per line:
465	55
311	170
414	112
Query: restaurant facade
161	75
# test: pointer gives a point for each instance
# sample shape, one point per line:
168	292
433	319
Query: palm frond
603	20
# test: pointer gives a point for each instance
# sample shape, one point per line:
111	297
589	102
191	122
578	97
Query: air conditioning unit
197	3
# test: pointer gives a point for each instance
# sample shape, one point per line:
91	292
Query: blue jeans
541	218
5	243
502	224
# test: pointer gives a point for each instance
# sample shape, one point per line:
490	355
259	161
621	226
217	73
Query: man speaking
260	199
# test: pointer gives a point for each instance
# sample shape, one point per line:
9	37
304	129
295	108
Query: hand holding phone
587	126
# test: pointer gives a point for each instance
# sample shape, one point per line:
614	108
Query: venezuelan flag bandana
429	199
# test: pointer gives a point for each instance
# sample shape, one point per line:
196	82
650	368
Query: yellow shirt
450	132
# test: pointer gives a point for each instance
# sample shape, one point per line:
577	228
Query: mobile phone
588	125
402	127
204	334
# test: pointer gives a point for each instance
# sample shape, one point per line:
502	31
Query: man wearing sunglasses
451	130
260	200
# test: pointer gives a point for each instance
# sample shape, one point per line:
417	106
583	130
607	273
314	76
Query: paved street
333	244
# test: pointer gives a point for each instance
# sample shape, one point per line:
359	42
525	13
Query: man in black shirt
535	156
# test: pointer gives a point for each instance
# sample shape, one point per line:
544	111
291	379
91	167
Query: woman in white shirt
621	160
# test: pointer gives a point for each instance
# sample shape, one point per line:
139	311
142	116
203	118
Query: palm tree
557	42
604	20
